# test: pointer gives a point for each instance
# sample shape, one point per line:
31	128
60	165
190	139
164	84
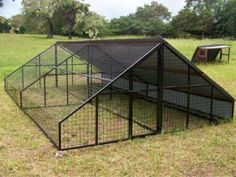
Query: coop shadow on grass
95	92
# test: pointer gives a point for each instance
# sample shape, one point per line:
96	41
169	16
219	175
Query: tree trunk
70	33
49	29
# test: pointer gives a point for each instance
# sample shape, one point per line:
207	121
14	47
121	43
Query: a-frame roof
114	57
111	57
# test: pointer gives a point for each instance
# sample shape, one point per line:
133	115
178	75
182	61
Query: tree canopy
225	19
151	19
74	17
70	9
43	9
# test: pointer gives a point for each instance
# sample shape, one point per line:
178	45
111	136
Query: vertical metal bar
5	84
111	77
130	104
160	75
59	135
88	70
221	54
211	108
147	87
67	83
40	82
96	121
23	79
21	101
111	90
91	71
188	97
56	70
232	109
229	55
44	91
72	69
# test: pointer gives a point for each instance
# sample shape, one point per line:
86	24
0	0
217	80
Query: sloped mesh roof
111	57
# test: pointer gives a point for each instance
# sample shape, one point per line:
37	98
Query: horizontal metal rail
173	87
79	64
86	75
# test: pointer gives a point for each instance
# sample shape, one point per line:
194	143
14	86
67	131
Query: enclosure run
89	93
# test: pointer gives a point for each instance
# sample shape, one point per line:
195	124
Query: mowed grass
25	151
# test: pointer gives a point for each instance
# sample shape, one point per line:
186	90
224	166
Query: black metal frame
91	109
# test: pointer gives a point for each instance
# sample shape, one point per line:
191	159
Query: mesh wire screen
70	92
112	58
34	69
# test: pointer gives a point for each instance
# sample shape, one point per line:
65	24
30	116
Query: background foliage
74	18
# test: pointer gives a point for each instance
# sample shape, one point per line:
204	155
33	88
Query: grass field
25	151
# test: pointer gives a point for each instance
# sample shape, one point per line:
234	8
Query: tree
209	4
17	23
197	15
44	9
69	9
225	19
4	26
151	19
154	27
33	23
153	10
92	24
186	19
126	25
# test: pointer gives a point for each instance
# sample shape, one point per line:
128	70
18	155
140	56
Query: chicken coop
89	93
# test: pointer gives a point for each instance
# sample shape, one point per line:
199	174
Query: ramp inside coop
95	92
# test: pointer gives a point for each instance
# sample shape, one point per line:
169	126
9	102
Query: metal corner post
5	84
21	100
59	136
233	110
91	69
211	107
130	104
44	91
67	84
96	120
88	70
160	76
188	97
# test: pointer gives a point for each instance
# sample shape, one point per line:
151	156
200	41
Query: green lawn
25	151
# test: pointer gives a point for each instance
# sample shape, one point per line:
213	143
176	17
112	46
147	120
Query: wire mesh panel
79	129
180	81
13	84
221	107
58	95
113	116
145	87
33	70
